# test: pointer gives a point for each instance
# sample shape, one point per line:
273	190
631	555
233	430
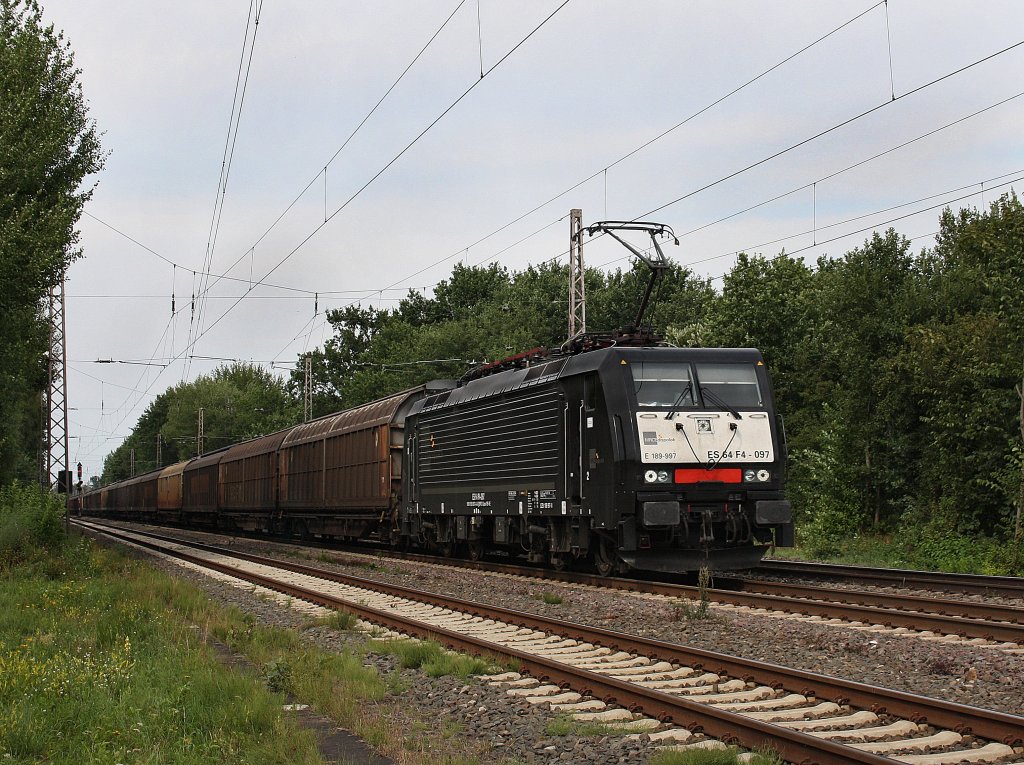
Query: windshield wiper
679	399
717	400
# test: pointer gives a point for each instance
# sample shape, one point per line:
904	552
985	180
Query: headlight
657	476
749	476
763	475
756	476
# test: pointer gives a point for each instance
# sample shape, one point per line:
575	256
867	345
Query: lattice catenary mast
577	286
54	472
307	391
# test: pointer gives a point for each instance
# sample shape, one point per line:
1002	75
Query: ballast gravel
967	674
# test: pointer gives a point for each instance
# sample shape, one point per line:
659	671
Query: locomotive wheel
475	549
604	557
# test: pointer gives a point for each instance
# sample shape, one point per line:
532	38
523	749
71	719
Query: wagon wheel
605	560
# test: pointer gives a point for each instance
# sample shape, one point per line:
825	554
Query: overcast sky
595	82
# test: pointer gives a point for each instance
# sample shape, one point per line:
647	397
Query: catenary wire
234	122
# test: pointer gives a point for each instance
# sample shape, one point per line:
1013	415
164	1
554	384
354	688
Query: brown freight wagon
199	492
119	501
91	501
169	493
142	496
248	483
340	475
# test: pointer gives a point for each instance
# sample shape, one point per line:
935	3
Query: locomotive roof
561	367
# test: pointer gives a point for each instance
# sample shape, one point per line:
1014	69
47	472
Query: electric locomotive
650	458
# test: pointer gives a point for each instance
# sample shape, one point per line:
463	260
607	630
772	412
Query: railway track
1004	586
999	626
666	691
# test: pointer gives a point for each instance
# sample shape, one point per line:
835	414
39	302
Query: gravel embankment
967	674
963	673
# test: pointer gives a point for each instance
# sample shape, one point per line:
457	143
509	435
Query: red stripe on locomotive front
700	475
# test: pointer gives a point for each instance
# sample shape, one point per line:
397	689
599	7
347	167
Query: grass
105	660
345	621
713	757
548	597
927	549
94	668
685	609
432	658
565	725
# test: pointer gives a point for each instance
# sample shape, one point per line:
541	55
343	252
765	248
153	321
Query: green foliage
725	756
48	146
478	315
895	373
239	402
551	598
31	523
431	657
565	725
97	667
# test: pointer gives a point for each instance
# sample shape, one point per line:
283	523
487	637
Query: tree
965	359
240	401
862	306
48	147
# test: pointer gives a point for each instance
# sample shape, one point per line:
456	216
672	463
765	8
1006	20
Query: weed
31	527
685	609
564	725
345	621
456	664
761	756
431	658
548	597
277	674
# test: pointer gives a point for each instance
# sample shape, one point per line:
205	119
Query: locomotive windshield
733	384
662	384
671	384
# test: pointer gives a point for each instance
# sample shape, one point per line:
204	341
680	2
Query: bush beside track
100	661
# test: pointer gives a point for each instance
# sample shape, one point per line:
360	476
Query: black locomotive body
653	458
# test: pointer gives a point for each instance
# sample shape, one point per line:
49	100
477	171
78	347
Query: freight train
648	458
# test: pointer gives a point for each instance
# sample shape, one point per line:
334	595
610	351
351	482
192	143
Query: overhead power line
238	100
382	170
832	129
202	332
341	148
649	142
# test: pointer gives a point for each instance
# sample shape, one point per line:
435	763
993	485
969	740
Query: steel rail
974	620
1008	586
990	724
978	617
970	620
942	606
